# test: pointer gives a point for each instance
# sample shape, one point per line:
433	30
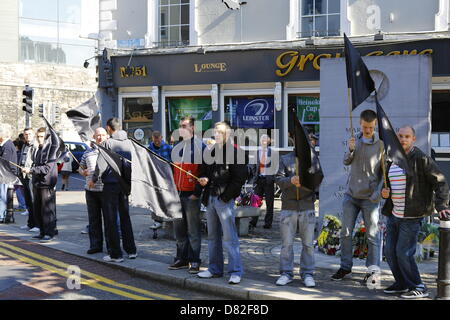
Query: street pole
9	217
443	280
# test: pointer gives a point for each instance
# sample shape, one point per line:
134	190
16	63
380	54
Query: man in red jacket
188	155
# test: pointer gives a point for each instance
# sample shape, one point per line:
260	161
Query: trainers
85	230
132	256
416	293
340	274
179	265
194	268
38	237
206	275
109	259
234	279
24	213
283	280
46	239
94	250
309	282
25	228
395	289
35	229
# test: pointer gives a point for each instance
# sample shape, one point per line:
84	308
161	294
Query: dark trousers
115	200
45	210
94	202
188	231
265	187
31	223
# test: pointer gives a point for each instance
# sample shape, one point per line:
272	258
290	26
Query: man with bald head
94	193
410	198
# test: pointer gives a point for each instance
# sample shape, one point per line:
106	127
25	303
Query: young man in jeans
295	212
363	194
409	200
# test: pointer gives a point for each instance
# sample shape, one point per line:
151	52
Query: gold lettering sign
137	71
290	59
210	67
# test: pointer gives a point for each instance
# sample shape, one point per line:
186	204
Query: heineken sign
308	110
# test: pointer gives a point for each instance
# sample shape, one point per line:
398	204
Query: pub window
320	18
138	118
173	23
440	132
308	112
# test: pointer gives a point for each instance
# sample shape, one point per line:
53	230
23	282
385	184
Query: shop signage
210	67
253	113
137	71
308	110
197	107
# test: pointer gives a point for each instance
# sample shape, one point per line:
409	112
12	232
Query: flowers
360	241
328	240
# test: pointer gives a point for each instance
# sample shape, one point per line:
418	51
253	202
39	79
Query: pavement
259	252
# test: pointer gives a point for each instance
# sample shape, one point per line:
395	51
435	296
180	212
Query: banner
308	110
199	108
252	113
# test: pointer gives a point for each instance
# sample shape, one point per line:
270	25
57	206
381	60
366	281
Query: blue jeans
401	242
3	199
289	221
220	218
371	215
20	197
188	231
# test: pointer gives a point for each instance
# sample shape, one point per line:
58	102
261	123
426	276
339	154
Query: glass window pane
185	35
175	15
74	55
163	2
164	16
36	30
42	9
174	1
164	35
320	6
334	6
70	11
307	27
321	26
184	14
185	1
70	33
307	6
334	25
174	35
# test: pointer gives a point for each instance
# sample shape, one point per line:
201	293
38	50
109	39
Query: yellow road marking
89	274
90	283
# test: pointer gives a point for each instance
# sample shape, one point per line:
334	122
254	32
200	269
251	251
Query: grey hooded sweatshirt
365	180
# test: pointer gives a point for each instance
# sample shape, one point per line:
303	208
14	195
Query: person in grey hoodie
363	194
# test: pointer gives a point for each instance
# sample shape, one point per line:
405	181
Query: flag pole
297	172
14	164
383	164
73	157
349	94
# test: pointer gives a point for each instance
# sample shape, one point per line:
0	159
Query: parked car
77	149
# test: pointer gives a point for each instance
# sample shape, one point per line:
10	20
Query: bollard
443	280
9	217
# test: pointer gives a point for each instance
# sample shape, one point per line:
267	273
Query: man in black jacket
44	177
409	200
226	172
8	152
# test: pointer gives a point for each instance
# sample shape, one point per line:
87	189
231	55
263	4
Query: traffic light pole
443	280
27	120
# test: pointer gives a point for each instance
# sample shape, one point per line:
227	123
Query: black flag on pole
393	148
86	118
310	171
152	184
358	76
7	175
118	165
57	146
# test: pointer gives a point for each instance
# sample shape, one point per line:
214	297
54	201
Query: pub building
251	88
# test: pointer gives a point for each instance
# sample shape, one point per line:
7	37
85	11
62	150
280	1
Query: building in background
44	44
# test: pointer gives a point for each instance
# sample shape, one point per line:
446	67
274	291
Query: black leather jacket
426	189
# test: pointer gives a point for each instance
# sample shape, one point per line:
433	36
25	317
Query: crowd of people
408	199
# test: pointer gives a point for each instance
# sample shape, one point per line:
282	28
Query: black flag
57	146
86	118
119	166
392	146
358	76
152	184
7	175
310	171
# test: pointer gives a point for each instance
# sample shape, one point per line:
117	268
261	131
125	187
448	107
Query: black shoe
92	251
395	289
179	265
416	293
38	237
267	226
194	267
340	274
62	187
46	239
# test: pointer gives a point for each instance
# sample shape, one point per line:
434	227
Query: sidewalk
259	253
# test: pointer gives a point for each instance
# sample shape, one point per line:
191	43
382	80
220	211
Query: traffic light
41	110
57	114
28	100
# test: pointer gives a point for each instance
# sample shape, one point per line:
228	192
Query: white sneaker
109	259
205	274
309	282
283	280
35	229
25	228
24	213
234	279
132	256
